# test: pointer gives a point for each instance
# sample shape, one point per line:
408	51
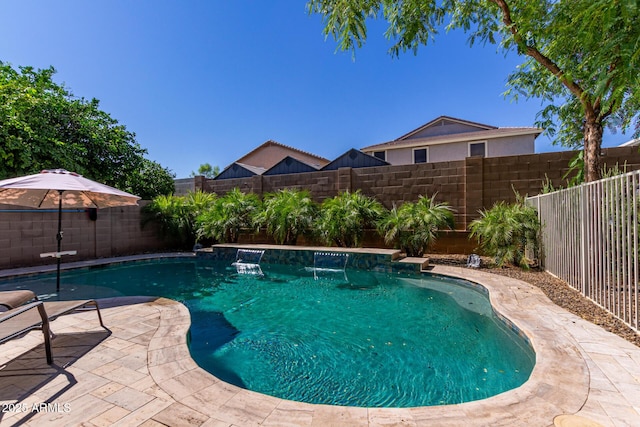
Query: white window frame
413	154
486	143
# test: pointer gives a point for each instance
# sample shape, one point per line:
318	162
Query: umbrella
54	188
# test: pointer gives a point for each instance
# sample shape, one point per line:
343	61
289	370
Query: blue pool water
374	340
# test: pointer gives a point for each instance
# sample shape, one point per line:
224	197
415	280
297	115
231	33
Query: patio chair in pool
23	318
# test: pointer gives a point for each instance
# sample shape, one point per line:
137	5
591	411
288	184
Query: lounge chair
13	299
20	319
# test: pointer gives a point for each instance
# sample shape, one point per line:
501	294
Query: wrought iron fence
590	239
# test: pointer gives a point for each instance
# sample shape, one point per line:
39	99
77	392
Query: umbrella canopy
42	190
57	187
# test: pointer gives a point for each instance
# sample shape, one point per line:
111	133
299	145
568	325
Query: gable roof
239	170
472	132
290	165
354	159
253	157
442	120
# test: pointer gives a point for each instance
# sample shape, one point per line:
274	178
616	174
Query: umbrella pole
59	238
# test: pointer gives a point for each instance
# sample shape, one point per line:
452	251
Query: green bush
176	215
225	219
344	217
287	214
414	226
506	230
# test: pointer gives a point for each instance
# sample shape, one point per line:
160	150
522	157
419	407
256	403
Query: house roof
354	159
239	170
631	143
290	165
440	119
301	155
483	132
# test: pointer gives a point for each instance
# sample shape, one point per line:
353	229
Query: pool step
423	263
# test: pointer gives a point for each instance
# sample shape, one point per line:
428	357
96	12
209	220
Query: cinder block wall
468	185
26	233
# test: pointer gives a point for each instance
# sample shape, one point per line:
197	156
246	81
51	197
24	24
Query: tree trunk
592	143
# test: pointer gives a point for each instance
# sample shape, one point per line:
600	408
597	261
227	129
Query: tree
207	171
581	56
150	180
43	126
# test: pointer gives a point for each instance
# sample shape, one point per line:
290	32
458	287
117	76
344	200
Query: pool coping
559	382
580	369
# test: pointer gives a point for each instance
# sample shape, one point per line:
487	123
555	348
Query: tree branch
536	54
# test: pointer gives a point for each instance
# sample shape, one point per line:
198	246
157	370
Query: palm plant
170	214
414	226
228	216
505	231
287	214
176	215
344	217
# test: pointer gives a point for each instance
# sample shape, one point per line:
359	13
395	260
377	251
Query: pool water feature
376	340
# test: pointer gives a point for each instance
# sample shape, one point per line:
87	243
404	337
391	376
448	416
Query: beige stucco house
270	154
447	138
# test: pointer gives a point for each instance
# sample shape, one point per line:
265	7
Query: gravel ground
557	290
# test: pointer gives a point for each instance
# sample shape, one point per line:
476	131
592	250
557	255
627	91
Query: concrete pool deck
142	374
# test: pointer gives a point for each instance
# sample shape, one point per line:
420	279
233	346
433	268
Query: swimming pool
374	340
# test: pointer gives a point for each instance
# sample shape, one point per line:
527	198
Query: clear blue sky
207	81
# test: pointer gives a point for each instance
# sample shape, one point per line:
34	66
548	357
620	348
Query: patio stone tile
152	423
105	368
107	390
621	415
247	408
168	370
142	339
187	383
212	422
80	409
142	414
289	418
110	416
129	398
178	415
168	354
390	417
86	383
117	343
167	341
123	375
209	400
325	415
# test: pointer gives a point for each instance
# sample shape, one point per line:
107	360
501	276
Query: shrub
344	217
228	216
287	214
176	215
414	226
505	231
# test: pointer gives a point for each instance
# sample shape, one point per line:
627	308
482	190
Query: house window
382	155
420	155
478	149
